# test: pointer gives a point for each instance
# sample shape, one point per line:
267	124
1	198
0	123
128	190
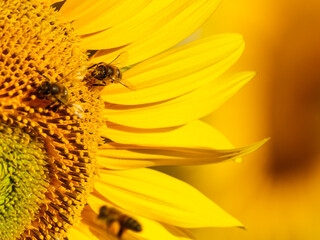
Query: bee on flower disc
55	92
116	222
58	94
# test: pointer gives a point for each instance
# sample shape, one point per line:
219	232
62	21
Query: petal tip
243	228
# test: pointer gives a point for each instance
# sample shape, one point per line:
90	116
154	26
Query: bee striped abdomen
131	224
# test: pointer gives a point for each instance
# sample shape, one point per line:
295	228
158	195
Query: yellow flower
70	146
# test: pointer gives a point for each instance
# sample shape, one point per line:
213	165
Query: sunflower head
53	115
47	141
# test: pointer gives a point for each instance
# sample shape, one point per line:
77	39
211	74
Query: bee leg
51	104
38	71
55	108
121	231
102	83
94	65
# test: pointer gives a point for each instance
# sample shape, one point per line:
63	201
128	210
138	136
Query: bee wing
121	59
76	109
126	83
81	72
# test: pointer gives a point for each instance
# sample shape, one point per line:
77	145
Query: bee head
103	211
44	88
101	72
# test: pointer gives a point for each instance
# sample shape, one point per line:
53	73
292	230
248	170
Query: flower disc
48	141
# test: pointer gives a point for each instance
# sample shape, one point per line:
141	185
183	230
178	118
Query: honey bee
117	223
58	95
106	73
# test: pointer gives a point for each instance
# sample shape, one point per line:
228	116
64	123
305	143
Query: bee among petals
102	74
116	222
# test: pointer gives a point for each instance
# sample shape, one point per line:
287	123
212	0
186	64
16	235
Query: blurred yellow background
275	192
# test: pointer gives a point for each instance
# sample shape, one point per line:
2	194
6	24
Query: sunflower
74	153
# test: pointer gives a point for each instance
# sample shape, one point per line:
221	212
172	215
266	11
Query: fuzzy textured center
23	180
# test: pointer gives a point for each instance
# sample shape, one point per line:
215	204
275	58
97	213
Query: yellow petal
73	9
158	196
154	16
108	14
151	229
177	71
180	110
119	156
194	134
173	30
85	234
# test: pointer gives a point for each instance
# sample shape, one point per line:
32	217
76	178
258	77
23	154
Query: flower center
49	124
23	180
